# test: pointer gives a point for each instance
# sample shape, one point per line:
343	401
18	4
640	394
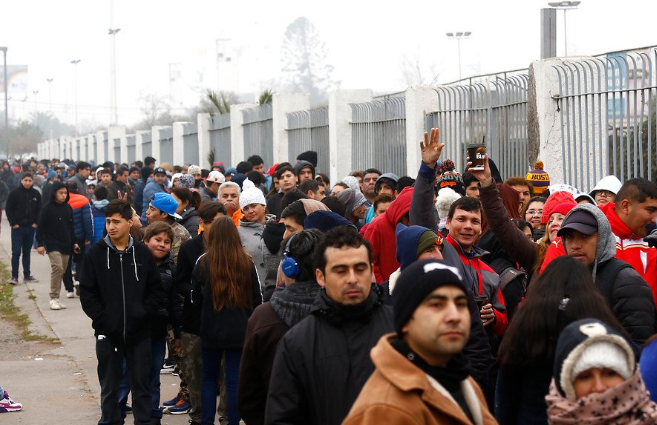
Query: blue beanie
408	238
325	221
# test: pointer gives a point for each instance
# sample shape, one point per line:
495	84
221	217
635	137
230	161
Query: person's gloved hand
651	238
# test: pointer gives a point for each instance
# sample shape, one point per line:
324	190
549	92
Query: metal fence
496	111
146	144
94	147
166	145
379	135
220	138
105	145
309	130
258	128
131	143
190	143
606	109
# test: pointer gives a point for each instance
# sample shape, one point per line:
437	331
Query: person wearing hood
304	170
355	207
381	235
586	236
606	190
121	292
56	237
596	379
98	213
252	225
270	321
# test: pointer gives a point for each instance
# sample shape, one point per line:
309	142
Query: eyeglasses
604	193
535	212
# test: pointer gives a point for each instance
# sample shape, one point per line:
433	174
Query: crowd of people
280	298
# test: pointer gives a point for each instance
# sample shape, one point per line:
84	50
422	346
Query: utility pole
75	63
458	36
114	119
35	105
49	80
4	53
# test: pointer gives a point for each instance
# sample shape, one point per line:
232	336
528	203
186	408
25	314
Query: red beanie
557	202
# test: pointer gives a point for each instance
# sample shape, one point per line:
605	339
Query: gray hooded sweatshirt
629	296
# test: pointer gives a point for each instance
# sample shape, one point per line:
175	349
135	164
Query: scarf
626	404
293	303
338	314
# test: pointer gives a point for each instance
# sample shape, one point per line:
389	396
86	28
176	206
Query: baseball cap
580	220
166	203
160	170
216	177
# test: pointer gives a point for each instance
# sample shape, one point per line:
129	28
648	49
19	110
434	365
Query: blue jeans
21	240
211	373
158	349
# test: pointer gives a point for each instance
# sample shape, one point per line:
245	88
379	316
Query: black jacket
190	220
174	303
55	231
23	206
121	291
189	253
225	328
115	187
323	362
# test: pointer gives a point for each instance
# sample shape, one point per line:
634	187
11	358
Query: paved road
62	388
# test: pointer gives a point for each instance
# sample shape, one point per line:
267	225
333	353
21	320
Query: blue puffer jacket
82	218
98	213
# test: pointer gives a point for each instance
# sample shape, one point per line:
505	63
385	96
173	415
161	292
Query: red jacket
381	235
631	249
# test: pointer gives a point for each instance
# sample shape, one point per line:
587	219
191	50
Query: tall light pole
458	36
35	105
565	6
75	63
49	80
4	54
114	119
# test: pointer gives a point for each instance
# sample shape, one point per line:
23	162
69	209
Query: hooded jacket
82	217
629	296
190	252
631	249
173	302
398	392
81	183
322	363
267	325
117	187
98	214
55	230
252	242
190	220
121	291
23	206
381	235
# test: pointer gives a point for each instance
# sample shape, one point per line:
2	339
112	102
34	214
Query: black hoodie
55	230
23	206
121	291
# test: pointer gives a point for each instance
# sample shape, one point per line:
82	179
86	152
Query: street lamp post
458	36
4	53
565	6
114	119
75	63
49	80
35	105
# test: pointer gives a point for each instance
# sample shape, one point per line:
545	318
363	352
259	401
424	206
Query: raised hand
431	148
484	175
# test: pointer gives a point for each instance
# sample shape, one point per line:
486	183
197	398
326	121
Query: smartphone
481	301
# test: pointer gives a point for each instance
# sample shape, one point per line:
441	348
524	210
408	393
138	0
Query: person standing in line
230	291
23	209
82	172
55	235
121	291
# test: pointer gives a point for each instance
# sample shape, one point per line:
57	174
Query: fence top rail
190	128
378	110
220	122
257	114
310	118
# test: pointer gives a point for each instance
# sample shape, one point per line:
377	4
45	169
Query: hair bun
538	165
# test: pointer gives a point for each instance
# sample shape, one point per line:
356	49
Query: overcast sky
367	42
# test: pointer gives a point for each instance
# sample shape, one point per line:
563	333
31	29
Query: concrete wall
281	105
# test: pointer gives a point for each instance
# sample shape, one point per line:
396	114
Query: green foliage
266	97
19	139
210	157
220	101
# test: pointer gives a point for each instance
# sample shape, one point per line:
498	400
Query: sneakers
13	281
9	405
171	402
167	367
70	295
76	285
180	408
31	279
56	305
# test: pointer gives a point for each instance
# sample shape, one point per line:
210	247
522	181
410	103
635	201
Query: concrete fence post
178	142
237	131
340	130
203	128
420	100
282	104
155	143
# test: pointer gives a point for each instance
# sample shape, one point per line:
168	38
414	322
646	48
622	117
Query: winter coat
4	194
81	184
520	395
121	291
180	235
173	302
55	230
322	363
267	325
190	252
629	296
648	365
82	217
274	204
115	187
190	220
98	214
632	249
23	206
252	242
206	195
398	392
226	328
150	190
139	197
272	236
381	235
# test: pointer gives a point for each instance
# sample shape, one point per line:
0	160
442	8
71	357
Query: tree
22	138
304	58
266	97
152	106
218	102
415	71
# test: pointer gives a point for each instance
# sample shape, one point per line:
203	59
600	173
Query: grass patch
12	314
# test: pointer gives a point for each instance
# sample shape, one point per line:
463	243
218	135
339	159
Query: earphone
290	266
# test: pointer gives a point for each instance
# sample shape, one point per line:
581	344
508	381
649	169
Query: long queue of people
281	299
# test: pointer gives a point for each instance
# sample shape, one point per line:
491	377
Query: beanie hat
250	194
446	197
174	177
187	180
610	183
272	169
324	221
446	166
51	174
586	344
301	165
539	179
311	205
390	179
352	199
452	180
310	156
230	172
352	182
411	242
194	170
416	282
554	200
239	178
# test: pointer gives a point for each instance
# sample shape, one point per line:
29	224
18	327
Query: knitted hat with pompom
538	178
